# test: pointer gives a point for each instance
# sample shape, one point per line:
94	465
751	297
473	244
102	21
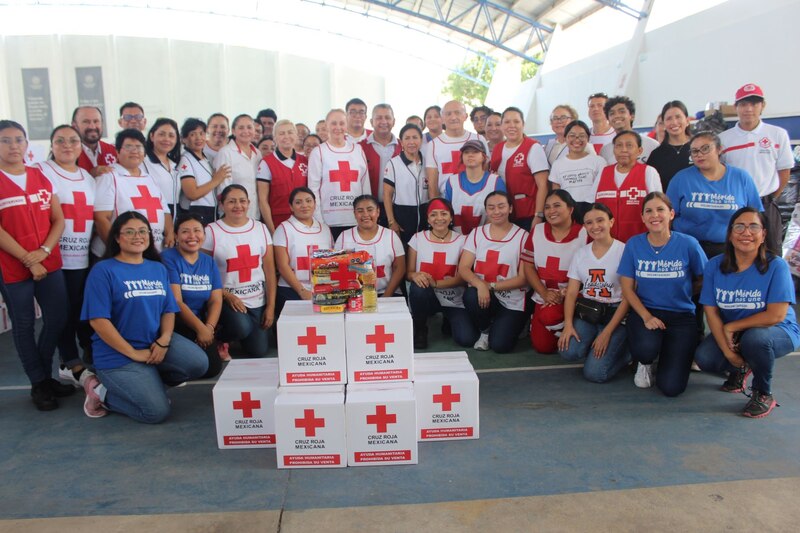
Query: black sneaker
736	380
42	397
760	405
58	389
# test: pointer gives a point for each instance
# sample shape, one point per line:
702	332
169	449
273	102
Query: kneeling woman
242	249
659	271
748	297
132	311
435	282
593	306
490	264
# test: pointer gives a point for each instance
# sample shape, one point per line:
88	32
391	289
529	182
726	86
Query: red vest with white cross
284	181
497	260
374	165
106	156
440	260
552	258
625	202
25	216
518	176
300	241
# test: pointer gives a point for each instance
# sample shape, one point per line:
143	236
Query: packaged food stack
342	281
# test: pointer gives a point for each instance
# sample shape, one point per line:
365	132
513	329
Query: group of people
169	246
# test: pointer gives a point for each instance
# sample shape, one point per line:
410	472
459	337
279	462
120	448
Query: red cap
751	89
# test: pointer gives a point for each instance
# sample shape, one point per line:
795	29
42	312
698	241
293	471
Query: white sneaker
645	376
482	343
67	377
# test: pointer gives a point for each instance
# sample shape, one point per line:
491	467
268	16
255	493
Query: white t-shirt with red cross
384	247
337	176
498	260
440	260
551	257
238	254
300	240
444	154
762	152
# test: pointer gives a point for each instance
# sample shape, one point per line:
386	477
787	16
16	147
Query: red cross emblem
454	166
44	196
439	268
30	155
551	272
309	423
79	212
447	398
311	340
633	193
246	404
380	271
344	176
380	338
184	167
303	263
491	268
467	220
765	142
381	419
243	263
147	203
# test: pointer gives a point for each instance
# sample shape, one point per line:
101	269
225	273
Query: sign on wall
38	107
90	89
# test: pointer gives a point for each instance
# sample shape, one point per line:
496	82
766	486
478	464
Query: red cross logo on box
309	423
491	268
311	340
454	166
467	220
246	404
380	338
243	263
79	212
381	419
447	398
147	203
439	268
344	176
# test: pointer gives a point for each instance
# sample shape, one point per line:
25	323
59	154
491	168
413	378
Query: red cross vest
25	215
625	202
284	181
107	156
237	253
518	176
374	166
440	260
337	191
447	156
140	194
299	241
75	191
497	260
468	208
382	248
552	258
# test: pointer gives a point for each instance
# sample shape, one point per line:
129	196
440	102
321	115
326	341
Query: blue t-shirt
703	208
664	279
740	294
196	281
133	298
472	188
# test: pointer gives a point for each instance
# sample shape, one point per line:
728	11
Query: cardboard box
310	424
381	424
442	362
243	404
379	346
311	346
448	403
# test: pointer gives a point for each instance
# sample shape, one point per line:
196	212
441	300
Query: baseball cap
750	89
474	145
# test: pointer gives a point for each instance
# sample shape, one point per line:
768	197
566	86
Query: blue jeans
598	370
503	325
283	295
36	355
759	347
138	390
673	347
245	327
424	304
75	281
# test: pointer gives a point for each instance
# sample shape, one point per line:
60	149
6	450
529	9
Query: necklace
658	249
678	149
440	238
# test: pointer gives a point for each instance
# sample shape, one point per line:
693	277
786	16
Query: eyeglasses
577	137
598	95
137	117
560	118
357	113
131	233
703	150
8	141
134	148
67	142
754	228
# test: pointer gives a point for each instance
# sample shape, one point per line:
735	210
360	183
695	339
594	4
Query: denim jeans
75	281
598	370
283	295
424	304
138	390
503	325
36	355
673	347
759	347
245	327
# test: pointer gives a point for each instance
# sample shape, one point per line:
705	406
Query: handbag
592	311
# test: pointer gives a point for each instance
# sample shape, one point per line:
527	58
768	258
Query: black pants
214	362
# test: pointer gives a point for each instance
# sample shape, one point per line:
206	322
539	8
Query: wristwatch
540	214
46	249
492	286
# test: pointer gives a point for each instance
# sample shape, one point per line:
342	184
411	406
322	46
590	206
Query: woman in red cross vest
242	249
546	258
31	223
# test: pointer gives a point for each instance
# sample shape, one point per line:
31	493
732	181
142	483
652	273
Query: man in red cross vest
379	147
97	156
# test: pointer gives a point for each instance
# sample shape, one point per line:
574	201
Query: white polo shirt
762	152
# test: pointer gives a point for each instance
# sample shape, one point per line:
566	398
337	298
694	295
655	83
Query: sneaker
760	405
58	389
482	343
43	397
93	406
696	367
736	380
66	376
222	350
645	376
